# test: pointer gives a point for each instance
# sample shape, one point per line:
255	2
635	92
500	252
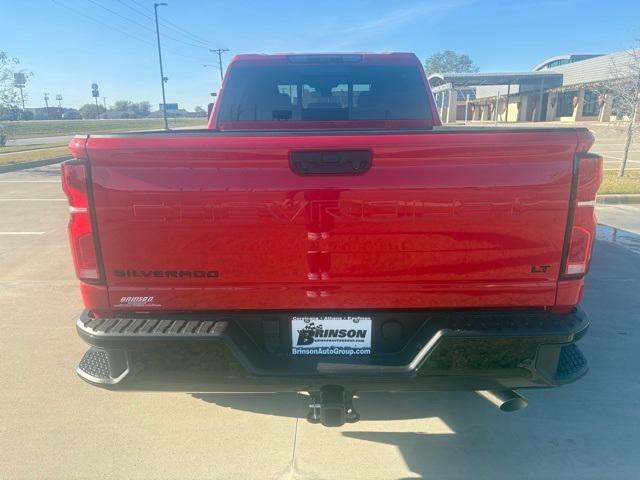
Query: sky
70	44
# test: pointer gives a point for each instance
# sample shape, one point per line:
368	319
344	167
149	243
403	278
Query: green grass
37	154
49	128
630	183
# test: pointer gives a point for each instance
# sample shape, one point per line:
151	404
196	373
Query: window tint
324	93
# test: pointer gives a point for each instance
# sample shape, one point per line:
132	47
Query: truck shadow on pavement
583	430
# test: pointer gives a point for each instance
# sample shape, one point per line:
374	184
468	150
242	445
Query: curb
13	167
617	199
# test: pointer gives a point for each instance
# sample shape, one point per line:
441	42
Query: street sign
94	90
19	80
169	106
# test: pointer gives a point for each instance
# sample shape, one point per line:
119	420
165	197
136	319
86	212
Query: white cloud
393	20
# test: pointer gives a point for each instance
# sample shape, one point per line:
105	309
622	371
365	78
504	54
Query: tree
143	108
88	110
201	112
9	93
624	90
129	109
122	106
449	62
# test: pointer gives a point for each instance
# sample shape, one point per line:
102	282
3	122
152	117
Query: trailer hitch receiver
332	406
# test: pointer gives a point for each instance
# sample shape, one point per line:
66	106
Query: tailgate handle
330	162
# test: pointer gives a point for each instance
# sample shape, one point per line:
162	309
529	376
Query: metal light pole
59	100
46	102
162	79
20	80
104	102
219	51
95	93
22	98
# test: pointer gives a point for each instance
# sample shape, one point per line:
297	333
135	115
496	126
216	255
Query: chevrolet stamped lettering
318	211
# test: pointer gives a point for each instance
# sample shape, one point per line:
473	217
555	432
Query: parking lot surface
52	425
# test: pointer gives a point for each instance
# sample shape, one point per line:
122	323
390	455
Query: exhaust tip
505	400
514	404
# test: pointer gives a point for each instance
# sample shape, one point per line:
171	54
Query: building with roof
563	60
564	88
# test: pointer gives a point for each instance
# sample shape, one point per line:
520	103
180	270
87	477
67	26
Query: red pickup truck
326	234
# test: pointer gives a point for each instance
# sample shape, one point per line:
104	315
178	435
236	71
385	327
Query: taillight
581	225
81	235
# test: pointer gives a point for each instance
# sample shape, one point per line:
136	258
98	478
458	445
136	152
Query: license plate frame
331	335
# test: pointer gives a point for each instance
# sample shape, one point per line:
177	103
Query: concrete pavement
52	425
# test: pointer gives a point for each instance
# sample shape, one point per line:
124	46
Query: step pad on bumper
571	362
151	328
104	367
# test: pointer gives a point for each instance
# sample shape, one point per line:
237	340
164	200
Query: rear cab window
300	94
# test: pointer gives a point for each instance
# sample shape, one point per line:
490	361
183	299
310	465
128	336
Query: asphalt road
52	425
40	140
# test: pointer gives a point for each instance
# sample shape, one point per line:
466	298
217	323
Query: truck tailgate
457	218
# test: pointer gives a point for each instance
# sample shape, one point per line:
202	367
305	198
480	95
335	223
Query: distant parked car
71	115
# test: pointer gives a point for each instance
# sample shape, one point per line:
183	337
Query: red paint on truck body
440	220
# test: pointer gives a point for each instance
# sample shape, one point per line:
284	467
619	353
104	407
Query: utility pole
104	102
46	102
219	51
162	77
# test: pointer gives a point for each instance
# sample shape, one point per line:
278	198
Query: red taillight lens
83	246
74	183
579	251
582	224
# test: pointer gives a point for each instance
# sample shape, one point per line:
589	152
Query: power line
123	32
82	14
173	26
143	26
165	23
